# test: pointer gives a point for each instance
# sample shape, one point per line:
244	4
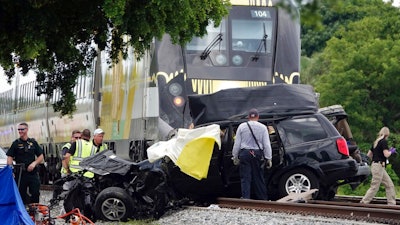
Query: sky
4	85
395	2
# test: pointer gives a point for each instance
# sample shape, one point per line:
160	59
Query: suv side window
298	130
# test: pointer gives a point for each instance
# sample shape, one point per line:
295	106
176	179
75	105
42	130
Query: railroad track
46	187
379	213
357	199
344	207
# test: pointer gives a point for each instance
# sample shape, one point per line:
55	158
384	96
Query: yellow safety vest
67	145
102	147
83	149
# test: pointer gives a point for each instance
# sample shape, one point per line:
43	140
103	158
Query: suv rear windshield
299	130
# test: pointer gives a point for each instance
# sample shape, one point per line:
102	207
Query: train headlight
175	89
179	101
237	60
220	59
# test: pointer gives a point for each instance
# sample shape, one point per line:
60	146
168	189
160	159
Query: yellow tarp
190	150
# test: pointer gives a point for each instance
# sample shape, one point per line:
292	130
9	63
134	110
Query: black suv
308	152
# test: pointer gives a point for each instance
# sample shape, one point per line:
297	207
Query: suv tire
114	204
297	181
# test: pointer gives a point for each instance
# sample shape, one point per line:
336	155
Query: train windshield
248	29
244	43
213	33
251	36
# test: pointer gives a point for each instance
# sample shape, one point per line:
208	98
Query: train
138	102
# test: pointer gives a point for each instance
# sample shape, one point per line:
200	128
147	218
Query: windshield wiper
263	44
208	49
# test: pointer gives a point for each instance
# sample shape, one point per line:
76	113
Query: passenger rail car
138	102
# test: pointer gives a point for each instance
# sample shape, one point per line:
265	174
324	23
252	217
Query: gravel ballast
216	215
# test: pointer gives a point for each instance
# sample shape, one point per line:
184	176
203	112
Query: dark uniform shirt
378	151
98	147
25	152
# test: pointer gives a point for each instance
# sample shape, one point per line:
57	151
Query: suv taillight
342	146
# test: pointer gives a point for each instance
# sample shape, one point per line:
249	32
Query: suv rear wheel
297	181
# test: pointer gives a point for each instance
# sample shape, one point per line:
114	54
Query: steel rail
352	211
46	187
357	199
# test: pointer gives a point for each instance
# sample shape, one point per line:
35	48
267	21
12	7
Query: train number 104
260	14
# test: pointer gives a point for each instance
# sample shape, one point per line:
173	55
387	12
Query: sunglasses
77	137
21	129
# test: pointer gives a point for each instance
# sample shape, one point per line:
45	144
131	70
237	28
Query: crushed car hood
106	162
270	100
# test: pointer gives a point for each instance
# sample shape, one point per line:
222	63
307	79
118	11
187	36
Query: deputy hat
253	113
98	131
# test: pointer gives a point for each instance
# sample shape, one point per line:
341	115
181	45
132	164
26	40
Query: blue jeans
252	175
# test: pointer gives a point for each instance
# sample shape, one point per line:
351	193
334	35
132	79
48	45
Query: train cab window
201	43
248	35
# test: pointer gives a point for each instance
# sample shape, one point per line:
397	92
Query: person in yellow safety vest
79	150
98	144
76	134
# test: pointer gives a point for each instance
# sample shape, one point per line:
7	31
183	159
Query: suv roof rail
276	115
271	100
333	110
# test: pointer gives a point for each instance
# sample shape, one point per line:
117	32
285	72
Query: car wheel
114	204
297	181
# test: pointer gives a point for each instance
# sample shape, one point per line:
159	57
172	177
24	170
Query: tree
361	71
55	38
332	16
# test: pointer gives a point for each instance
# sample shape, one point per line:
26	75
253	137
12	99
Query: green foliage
55	38
360	66
394	159
334	15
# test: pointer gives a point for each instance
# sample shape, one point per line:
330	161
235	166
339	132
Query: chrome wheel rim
113	209
298	183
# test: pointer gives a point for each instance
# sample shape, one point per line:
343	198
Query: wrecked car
120	189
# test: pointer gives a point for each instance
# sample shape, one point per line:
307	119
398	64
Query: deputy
79	150
28	154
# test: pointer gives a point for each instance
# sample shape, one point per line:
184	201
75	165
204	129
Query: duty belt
380	162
